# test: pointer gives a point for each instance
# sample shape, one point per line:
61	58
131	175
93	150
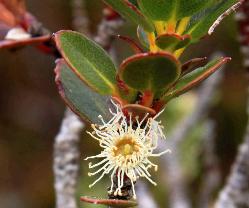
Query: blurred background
31	112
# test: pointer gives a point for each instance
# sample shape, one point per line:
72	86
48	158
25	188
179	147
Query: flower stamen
127	145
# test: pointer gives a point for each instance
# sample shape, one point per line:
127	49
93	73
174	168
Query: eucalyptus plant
123	103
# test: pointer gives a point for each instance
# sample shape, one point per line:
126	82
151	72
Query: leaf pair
192	78
159	76
92	64
78	96
142	72
85	65
163	75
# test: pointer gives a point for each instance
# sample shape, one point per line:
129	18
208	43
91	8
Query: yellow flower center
126	146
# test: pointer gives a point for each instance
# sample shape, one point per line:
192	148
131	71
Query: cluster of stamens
127	145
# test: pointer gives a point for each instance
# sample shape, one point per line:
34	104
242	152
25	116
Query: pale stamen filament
126	148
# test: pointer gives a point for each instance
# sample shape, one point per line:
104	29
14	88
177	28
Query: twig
80	17
66	148
145	199
242	17
224	15
236	191
66	160
178	192
106	31
212	176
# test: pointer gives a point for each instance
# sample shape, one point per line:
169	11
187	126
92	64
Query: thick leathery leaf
150	71
88	60
172	41
130	11
167	40
163	10
193	64
158	10
202	21
193	78
138	110
187	8
109	202
79	97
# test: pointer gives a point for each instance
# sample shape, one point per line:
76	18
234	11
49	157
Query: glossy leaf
79	97
201	22
130	11
150	71
109	202
88	60
192	79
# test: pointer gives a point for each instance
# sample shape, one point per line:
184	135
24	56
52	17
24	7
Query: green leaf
166	41
187	8
138	110
133	2
202	21
88	60
158	10
193	64
150	71
172	41
79	97
193	78
163	10
130	11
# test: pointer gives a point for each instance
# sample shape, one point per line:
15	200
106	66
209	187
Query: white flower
127	145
